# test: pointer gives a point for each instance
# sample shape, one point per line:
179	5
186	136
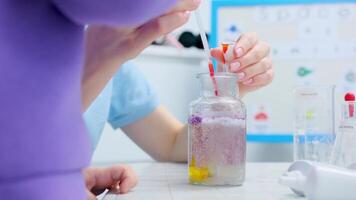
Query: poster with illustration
313	42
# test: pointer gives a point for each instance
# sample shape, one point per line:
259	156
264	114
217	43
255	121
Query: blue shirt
128	97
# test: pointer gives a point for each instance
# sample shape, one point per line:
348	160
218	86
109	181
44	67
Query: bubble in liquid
217	143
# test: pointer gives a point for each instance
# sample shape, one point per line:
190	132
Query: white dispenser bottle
319	181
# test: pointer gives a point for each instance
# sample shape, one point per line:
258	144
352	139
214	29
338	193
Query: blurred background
312	43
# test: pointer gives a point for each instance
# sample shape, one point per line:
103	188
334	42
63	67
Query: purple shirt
41	59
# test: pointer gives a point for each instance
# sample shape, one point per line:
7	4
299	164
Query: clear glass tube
314	123
226	46
217	133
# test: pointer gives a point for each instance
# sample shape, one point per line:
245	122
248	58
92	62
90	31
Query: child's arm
121	13
161	135
118	179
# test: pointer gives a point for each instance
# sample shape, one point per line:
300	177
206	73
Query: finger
259	68
115	189
90	175
122	176
128	181
264	79
89	178
217	54
106	177
90	196
185	5
257	82
255	55
160	26
99	179
261	79
244	44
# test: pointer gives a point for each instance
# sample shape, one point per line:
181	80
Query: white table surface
167	181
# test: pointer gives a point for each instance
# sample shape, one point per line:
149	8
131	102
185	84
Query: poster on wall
313	42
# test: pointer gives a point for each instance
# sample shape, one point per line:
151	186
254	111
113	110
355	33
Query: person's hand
108	44
118	179
249	59
107	48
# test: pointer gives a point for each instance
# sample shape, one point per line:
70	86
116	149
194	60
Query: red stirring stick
211	69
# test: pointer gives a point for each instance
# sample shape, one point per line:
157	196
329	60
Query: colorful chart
312	41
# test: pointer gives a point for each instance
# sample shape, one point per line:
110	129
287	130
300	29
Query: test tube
225	48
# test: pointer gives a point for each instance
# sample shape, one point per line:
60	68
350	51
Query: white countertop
167	181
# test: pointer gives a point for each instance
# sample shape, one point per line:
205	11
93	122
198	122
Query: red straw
211	69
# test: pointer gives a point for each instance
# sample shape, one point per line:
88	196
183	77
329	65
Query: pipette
202	34
206	49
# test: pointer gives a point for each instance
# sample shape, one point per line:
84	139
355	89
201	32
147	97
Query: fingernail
187	12
249	81
239	52
235	66
241	76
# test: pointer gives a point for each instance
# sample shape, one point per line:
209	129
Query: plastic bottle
319	181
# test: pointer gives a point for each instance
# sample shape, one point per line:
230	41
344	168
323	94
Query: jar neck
221	85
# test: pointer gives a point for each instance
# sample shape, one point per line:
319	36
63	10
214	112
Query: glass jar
217	133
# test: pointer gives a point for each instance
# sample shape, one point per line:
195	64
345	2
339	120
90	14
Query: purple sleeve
112	12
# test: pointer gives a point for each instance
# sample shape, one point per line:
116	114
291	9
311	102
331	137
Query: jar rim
218	74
